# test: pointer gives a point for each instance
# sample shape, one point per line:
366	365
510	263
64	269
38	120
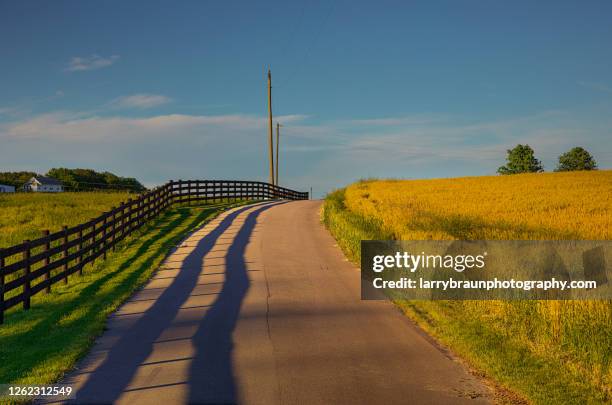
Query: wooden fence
35	265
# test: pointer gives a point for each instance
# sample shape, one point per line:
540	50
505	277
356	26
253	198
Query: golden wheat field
572	205
542	349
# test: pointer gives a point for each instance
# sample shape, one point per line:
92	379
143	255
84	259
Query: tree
576	159
89	180
521	159
17	179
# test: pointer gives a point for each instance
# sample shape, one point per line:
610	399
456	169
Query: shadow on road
211	377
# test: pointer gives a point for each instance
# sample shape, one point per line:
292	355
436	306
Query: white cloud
323	155
140	101
93	62
81	127
396	121
8	110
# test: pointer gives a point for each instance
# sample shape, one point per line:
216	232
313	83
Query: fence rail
35	265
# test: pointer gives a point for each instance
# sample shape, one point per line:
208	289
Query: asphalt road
259	306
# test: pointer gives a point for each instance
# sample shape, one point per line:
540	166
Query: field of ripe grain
573	205
548	351
25	215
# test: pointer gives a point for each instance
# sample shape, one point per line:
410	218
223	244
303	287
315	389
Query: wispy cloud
93	62
25	106
396	121
140	101
9	111
152	148
73	126
320	154
602	87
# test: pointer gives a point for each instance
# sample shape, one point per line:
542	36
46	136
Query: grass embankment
38	346
548	351
26	215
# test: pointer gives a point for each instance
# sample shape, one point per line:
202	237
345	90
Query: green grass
38	346
509	342
26	215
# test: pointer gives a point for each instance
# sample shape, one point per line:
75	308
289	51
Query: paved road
260	307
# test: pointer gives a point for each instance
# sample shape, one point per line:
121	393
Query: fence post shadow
210	374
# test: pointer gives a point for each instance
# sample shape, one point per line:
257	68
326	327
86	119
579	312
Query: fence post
65	253
47	261
1	288
104	240
189	193
26	285
80	247
164	196
180	190
169	193
138	213
149	206
141	211
122	224
93	241
154	203
129	216
113	227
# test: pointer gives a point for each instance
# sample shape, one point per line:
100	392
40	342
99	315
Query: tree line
521	159
76	180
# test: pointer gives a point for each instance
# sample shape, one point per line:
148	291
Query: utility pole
277	149
271	149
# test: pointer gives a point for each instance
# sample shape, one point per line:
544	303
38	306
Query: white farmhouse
44	185
6	188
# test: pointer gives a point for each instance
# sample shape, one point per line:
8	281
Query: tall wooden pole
277	141
271	150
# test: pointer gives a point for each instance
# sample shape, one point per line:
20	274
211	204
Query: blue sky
160	89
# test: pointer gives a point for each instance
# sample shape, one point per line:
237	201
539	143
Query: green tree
17	179
576	159
521	159
89	180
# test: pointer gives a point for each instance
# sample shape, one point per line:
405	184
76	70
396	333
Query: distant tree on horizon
16	179
76	180
89	180
521	159
575	159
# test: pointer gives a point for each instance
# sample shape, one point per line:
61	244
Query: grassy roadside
38	346
503	342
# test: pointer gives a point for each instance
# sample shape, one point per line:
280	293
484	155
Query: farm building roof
47	180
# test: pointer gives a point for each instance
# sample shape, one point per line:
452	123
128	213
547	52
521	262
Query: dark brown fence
35	265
